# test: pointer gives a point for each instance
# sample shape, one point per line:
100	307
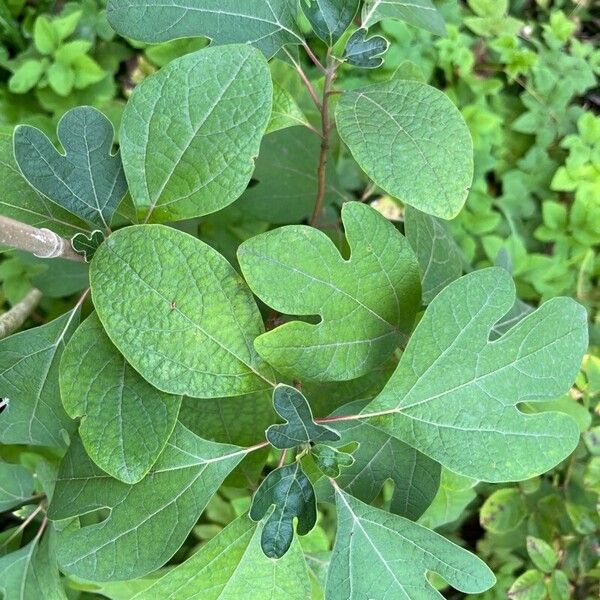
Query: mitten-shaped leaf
411	141
454	394
291	493
232	566
330	460
365	303
380	555
125	422
148	521
178	312
87	180
190	132
420	13
365	52
86	245
330	18
29	364
266	24
300	428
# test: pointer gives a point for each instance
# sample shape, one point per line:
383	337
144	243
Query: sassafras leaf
330	18
420	13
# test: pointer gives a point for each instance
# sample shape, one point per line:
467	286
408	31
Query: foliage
317	343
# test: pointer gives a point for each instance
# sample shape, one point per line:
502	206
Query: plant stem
326	127
305	80
21	527
13	319
42	243
282	458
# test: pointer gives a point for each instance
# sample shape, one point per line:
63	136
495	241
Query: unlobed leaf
16	485
420	13
330	18
178	312
454	394
365	303
191	131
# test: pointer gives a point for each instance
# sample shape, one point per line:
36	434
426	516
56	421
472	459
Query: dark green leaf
365	52
86	245
330	18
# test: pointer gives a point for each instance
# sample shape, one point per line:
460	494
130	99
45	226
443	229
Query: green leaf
286	112
125	422
381	457
267	24
29	364
330	18
410	139
330	460
291	493
45	38
420	13
455	392
16	485
541	553
61	79
65	26
70	51
503	511
365	303
27	76
178	312
232	566
87	180
148	521
380	555
190	132
439	257
20	201
300	427
529	586
558	586
86	245
365	52
286	178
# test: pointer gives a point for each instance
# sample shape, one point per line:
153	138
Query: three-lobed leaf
365	303
178	312
125	422
365	52
87	180
455	393
190	133
412	141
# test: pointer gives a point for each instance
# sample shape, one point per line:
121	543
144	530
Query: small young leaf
380	555
541	553
455	392
148	521
330	18
366	302
266	24
365	52
190	335
503	511
16	485
125	422
291	493
190	132
233	566
300	428
529	586
422	157
330	460
87	180
86	245
29	364
420	13
286	112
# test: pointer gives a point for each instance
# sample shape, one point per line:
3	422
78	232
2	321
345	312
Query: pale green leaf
191	131
16	485
18	200
87	180
331	461
330	18
178	312
286	112
439	258
365	52
266	24
285	178
125	422
542	554
455	392
411	140
381	555
148	521
529	586
29	363
503	511
420	13
366	303
232	566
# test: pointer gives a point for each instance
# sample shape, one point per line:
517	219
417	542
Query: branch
13	319
42	243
